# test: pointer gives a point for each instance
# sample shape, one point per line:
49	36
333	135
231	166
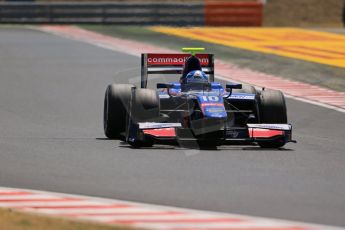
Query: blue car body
208	112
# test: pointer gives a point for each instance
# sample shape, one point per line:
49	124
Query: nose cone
214	111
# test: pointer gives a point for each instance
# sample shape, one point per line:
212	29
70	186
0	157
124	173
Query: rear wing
153	63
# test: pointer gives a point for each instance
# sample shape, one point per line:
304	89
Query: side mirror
164	85
233	86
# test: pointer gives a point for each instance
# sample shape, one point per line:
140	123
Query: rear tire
117	98
272	109
145	108
250	90
246	89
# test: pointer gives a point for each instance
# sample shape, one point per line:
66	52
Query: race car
195	111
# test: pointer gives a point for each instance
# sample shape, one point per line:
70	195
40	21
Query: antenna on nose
193	50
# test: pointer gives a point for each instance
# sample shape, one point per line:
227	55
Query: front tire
249	89
272	109
145	105
145	108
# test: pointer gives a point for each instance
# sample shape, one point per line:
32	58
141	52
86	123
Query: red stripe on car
166	132
264	133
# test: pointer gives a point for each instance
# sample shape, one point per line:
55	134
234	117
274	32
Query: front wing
167	133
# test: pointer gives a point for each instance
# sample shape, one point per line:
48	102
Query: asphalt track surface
51	138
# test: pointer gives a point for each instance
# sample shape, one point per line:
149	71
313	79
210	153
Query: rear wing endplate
154	63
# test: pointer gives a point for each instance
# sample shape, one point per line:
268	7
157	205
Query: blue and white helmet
196	76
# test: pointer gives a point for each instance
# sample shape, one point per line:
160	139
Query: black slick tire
272	111
145	108
116	101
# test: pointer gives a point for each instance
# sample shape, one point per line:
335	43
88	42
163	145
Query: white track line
86	211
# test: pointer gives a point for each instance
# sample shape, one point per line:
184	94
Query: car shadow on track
219	148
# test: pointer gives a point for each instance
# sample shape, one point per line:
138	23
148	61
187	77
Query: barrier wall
193	13
225	13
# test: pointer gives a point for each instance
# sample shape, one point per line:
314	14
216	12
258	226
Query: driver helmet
196	76
192	63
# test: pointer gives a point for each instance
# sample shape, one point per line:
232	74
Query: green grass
304	71
14	220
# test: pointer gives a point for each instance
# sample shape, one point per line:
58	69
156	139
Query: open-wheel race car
195	111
